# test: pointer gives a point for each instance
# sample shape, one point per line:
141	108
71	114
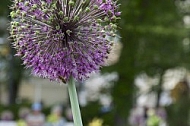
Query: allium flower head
59	39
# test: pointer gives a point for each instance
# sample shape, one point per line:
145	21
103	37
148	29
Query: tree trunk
13	91
15	75
159	90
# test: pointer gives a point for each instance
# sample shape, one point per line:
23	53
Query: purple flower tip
59	39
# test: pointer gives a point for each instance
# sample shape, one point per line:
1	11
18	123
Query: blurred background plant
152	70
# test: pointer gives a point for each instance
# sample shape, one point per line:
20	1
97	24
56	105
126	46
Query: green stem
74	103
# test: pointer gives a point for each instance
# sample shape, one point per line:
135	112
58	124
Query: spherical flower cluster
59	39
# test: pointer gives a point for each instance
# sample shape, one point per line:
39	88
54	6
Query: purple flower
59	39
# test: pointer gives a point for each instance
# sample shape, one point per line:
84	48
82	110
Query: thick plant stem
74	103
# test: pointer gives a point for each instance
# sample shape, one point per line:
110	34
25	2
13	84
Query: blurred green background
153	67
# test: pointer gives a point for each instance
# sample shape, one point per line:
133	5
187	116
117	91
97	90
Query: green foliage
159	30
4	7
89	111
93	110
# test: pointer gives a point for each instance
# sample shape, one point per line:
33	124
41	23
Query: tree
14	70
152	33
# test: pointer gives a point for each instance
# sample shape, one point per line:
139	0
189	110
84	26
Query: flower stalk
74	103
